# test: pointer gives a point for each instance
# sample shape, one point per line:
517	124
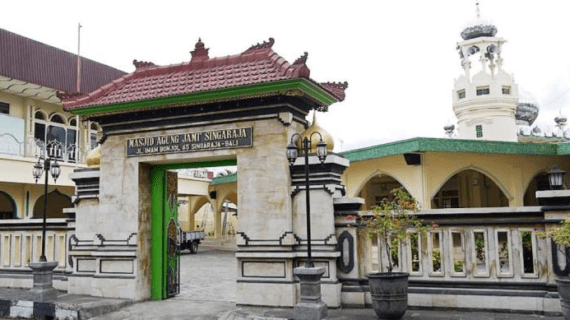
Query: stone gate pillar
265	236
325	186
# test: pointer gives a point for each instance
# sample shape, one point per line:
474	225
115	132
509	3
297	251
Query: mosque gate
241	109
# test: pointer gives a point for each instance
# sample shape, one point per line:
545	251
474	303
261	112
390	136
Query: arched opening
469	189
204	217
377	189
7	207
57	119
229	211
40	115
538	183
57	201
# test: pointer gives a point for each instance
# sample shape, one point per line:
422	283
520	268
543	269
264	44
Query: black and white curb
41	310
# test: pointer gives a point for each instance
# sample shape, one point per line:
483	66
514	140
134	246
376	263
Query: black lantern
292	156
556	178
292	152
55	171
322	150
38	171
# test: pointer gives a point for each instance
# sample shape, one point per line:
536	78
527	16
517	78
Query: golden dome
94	157
327	138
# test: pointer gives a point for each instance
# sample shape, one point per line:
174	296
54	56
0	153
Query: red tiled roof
32	61
257	64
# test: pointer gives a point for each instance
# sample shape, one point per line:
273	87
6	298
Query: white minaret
485	97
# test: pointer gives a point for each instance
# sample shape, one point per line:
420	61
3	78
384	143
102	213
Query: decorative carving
302	59
62	95
200	53
335	85
142	64
461	55
286	118
345	262
264	45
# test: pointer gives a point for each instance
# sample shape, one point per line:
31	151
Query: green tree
393	222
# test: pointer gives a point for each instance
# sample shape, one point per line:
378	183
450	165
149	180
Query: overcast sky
398	57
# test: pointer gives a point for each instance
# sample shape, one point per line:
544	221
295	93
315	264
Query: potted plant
561	236
392	222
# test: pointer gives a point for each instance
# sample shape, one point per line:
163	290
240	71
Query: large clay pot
564	293
389	293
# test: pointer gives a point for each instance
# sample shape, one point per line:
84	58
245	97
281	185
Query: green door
172	235
165	274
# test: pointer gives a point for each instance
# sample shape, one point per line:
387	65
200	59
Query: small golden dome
327	138
94	157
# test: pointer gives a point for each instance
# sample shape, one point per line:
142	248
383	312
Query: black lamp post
556	178
292	156
54	170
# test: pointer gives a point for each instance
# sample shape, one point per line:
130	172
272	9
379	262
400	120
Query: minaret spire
478	12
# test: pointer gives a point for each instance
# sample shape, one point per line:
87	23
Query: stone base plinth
310	307
43	289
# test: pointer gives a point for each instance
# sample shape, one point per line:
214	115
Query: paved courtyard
209	275
207	291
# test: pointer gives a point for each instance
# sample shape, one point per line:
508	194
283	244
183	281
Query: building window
461	94
56	137
506	90
479	131
482	91
4	107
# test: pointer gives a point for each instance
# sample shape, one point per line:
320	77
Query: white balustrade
21	243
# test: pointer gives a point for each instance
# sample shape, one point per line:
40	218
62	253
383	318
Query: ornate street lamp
292	156
54	170
556	178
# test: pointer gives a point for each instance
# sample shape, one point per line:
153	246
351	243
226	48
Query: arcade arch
469	188
57	201
378	187
538	183
8	208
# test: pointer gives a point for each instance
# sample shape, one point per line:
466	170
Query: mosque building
480	184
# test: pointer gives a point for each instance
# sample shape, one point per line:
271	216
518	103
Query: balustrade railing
21	243
10	145
491	249
34	148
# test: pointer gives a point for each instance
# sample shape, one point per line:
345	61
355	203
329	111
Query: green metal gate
165	231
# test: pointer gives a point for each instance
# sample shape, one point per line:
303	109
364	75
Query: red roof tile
32	61
258	64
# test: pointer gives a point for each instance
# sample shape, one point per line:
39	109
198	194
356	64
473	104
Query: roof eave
454	145
309	88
